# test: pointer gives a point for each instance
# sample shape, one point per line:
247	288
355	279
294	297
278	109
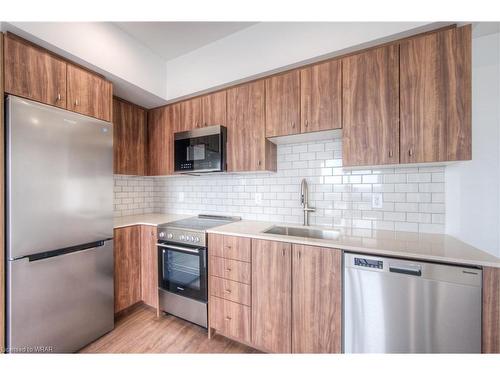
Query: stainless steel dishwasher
401	306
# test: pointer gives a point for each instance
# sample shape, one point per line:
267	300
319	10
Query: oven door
200	150
183	270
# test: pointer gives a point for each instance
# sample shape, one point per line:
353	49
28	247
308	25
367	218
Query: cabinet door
246	130
188	115
127	253
160	141
491	310
129	138
214	109
321	97
316	300
271	295
371	107
89	94
436	97
34	74
283	104
149	266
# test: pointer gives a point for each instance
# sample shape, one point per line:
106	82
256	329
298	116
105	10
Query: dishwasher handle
414	271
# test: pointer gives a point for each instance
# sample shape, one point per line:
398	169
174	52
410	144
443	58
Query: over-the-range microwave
200	150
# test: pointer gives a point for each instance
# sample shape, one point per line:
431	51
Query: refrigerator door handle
67	250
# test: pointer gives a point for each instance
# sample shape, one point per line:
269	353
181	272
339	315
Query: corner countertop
422	246
146	219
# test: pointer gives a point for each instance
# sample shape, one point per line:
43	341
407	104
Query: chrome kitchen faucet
304	201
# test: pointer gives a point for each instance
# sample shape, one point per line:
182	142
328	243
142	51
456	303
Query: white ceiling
172	39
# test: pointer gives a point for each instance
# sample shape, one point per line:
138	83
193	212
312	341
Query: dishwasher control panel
370	263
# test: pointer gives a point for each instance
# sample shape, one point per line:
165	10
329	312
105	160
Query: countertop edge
360	249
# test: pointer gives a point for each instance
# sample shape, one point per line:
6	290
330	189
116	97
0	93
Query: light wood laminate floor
140	331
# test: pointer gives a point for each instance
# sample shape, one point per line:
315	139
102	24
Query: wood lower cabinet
230	319
321	97
229	288
149	265
136	266
316	300
129	138
436	97
247	146
88	93
283	104
160	141
230	247
491	310
213	109
33	73
127	255
370	109
271	296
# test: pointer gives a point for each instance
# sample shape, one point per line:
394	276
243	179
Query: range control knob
189	238
182	237
197	239
161	234
170	235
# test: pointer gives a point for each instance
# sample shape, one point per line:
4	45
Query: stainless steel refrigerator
59	228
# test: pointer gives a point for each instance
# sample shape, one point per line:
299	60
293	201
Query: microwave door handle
180	248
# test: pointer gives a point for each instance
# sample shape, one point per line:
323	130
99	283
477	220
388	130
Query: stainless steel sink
304	232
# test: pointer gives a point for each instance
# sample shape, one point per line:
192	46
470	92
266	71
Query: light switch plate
377	200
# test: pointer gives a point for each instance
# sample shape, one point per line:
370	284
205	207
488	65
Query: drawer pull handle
228	270
228	291
228	318
228	247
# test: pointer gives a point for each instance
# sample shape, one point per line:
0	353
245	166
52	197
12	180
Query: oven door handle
181	248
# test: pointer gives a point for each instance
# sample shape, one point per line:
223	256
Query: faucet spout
304	201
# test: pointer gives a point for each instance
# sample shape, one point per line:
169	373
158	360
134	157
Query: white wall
473	188
270	46
138	74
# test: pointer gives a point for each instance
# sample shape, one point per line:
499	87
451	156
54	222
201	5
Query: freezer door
59	178
62	303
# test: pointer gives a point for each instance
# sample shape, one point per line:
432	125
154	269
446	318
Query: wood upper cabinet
160	141
149	265
129	138
321	97
88	93
436	97
187	115
213	109
316	300
247	146
283	104
34	73
127	275
271	296
370	109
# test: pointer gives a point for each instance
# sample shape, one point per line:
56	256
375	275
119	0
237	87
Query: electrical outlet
377	201
258	198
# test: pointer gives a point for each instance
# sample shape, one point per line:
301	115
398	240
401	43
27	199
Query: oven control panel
182	236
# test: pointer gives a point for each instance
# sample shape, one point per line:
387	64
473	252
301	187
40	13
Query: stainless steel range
182	266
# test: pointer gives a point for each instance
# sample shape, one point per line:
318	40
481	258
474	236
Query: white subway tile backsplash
412	197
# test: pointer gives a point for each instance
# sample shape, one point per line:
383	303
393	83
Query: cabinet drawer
230	247
230	269
230	290
230	318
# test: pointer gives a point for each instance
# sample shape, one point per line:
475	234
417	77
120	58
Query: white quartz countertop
146	219
431	247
